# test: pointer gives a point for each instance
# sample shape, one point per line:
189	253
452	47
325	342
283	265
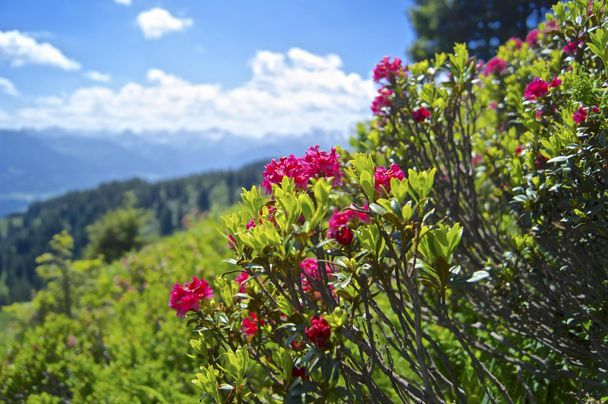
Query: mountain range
36	165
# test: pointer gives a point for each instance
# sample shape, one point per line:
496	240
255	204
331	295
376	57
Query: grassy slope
125	343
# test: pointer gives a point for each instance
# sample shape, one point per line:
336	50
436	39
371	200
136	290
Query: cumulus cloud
7	87
98	76
158	22
289	93
20	49
123	2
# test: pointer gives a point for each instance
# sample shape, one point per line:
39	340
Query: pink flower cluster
383	176
580	115
385	69
310	270
421	114
538	88
572	46
495	66
319	332
240	280
532	37
250	324
382	101
340	225
314	164
186	297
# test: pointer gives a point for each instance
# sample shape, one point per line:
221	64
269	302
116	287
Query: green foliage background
25	236
122	344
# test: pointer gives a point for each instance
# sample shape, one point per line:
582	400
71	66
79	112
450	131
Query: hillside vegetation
25	236
121	343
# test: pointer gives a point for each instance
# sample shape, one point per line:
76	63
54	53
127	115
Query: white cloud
123	2
20	49
98	76
7	87
158	22
290	93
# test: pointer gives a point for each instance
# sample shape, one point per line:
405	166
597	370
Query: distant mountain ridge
35	165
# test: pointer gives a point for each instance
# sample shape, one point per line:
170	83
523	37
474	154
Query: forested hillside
25	236
120	343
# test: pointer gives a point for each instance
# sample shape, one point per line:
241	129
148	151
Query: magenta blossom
382	101
537	88
291	167
496	66
421	114
341	223
250	324
310	270
382	178
186	297
319	332
324	164
532	37
571	47
556	82
551	26
580	115
241	279
385	69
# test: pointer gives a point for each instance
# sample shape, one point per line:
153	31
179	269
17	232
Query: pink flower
496	66
421	114
250	224
319	332
493	105
571	47
537	88
187	297
291	167
516	42
250	324
519	149
382	178
532	37
310	272
382	101
340	222
240	279
538	114
231	242
580	115
556	82
314	164
551	26
385	69
477	160
324	164
72	341
595	109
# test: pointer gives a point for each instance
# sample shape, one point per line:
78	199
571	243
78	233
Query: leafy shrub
458	255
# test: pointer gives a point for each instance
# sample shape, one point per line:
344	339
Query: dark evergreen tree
481	24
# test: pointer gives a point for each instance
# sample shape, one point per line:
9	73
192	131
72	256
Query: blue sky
208	49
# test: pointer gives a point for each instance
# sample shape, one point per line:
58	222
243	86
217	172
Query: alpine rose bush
456	255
